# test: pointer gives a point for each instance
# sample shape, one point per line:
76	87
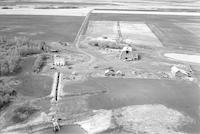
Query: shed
128	54
59	61
109	72
179	72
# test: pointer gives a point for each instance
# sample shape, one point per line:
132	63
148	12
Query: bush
4	67
26	50
30	47
45	7
24	45
6	95
8	67
4	101
104	43
10	63
14	65
23	113
6	8
39	63
15	48
3	39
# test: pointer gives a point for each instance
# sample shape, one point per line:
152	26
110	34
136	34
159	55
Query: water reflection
73	129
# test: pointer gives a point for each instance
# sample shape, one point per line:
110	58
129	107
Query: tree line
13	49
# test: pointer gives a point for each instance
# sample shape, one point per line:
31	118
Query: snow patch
184	57
100	122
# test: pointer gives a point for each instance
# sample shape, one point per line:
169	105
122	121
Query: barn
59	61
127	54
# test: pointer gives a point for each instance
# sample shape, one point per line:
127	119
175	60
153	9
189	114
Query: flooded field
64	130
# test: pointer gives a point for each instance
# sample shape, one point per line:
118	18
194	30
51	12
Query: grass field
178	95
139	33
165	28
194	28
102	28
47	28
33	85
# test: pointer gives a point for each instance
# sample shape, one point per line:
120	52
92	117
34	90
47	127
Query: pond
73	129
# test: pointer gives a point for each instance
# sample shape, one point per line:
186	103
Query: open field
139	33
177	95
163	26
30	85
102	28
139	92
47	28
194	28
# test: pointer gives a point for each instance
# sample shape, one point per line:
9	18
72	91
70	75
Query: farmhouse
59	61
128	54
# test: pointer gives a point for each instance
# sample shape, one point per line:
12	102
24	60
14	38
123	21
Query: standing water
73	129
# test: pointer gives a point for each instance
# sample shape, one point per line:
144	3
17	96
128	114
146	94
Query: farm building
128	41
128	54
59	61
109	72
175	70
181	72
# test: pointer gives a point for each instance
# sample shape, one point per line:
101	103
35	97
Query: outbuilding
109	72
128	54
59	61
179	72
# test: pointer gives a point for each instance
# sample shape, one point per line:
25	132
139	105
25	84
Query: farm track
78	37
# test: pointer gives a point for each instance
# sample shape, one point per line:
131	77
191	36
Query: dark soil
23	113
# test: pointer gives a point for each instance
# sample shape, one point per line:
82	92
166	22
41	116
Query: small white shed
178	71
59	61
128	54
